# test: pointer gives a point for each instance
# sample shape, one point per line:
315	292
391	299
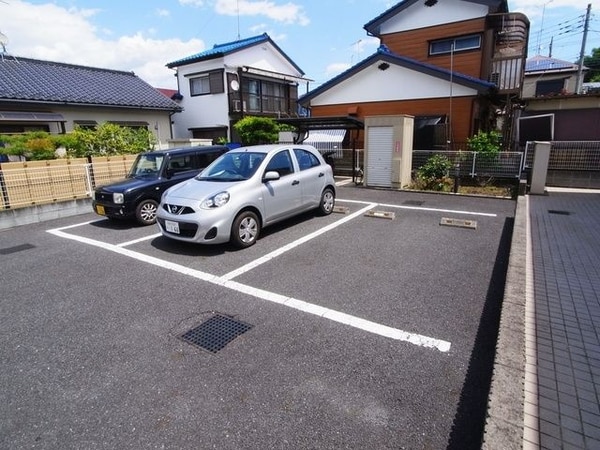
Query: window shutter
216	82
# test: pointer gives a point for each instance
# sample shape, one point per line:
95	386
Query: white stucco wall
213	110
443	12
395	83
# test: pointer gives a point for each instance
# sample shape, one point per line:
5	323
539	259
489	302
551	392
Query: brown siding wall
463	109
415	44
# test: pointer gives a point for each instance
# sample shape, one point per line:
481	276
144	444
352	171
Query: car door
311	176
281	197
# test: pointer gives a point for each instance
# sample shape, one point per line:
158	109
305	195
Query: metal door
379	156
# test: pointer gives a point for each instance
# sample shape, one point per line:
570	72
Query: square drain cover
215	333
15	249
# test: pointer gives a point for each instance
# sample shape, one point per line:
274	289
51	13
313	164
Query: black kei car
138	195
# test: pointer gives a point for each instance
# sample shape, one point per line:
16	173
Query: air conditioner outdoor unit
237	104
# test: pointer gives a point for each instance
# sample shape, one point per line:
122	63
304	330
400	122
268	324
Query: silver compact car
245	190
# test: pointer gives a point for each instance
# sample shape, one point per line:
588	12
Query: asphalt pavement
353	330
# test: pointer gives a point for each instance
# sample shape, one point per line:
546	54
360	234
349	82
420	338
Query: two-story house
553	110
56	97
221	85
455	65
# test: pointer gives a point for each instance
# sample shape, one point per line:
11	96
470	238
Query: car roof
195	149
269	148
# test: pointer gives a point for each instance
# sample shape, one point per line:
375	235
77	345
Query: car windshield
146	165
232	167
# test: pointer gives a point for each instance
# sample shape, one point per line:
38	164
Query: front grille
104	196
177	209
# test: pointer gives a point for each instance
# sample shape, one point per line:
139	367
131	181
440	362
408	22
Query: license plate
100	210
172	227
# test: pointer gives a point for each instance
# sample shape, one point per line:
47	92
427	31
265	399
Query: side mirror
271	176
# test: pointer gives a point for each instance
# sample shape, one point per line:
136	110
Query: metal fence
30	183
568	155
572	164
474	164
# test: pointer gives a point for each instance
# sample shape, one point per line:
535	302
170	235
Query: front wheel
145	213
327	202
245	229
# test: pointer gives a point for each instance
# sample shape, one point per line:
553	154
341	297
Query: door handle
295	182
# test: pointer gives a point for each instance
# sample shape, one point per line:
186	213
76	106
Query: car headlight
118	198
215	201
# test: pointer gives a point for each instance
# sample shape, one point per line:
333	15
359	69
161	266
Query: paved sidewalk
545	391
565	252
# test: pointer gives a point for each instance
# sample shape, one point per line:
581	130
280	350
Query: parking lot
373	327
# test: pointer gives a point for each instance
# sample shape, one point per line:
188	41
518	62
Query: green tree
593	64
257	130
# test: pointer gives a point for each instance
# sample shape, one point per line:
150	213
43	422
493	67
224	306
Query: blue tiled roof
24	79
220	50
545	63
384	54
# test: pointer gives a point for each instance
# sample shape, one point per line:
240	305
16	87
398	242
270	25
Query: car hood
129	184
198	189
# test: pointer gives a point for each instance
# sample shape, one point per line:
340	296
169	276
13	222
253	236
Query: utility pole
582	53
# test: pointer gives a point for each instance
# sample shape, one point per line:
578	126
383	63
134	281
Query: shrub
434	174
486	144
34	145
109	139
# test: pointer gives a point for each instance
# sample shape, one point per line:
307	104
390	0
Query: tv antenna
3	42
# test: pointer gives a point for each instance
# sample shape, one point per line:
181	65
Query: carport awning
325	136
304	124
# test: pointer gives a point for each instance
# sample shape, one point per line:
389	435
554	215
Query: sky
323	37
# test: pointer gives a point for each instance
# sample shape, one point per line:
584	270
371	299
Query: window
281	163
549	87
459	44
207	83
180	163
306	159
265	96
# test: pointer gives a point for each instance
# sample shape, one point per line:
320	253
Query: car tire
145	212
327	202
245	229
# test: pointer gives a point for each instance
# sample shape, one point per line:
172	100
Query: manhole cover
560	212
215	333
15	249
413	203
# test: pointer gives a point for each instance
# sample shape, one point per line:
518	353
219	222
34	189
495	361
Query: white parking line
142	239
268	257
336	316
420	208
